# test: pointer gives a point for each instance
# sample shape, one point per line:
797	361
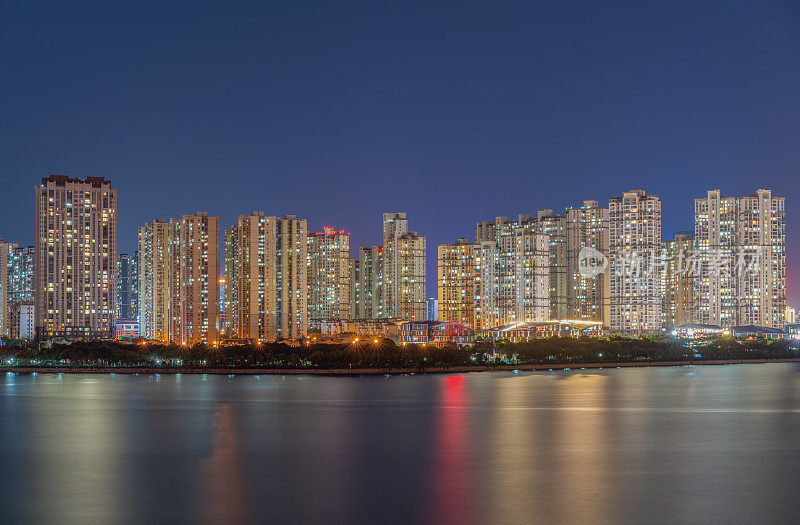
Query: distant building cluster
593	269
610	265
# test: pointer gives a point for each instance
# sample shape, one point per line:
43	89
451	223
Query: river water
715	444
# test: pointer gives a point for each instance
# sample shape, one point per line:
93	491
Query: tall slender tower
76	246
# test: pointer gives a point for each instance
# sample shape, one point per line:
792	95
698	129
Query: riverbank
378	371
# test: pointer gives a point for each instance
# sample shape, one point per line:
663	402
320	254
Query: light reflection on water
703	444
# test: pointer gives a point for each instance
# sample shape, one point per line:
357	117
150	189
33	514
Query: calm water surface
702	445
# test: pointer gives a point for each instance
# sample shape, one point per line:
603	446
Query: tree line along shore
384	354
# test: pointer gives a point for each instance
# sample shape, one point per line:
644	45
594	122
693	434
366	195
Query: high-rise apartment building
154	280
266	278
128	286
6	249
179	279
76	246
404	272
555	227
194	279
587	293
513	273
370	283
740	275
21	275
677	283
457	281
328	275
354	280
634	253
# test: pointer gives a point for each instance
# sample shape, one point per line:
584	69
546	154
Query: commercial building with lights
266	274
741	275
75	251
634	252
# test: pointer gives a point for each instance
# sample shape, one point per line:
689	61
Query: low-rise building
126	329
696	331
23	320
435	332
759	332
387	328
517	332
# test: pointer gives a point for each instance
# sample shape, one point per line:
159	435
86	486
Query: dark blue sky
452	111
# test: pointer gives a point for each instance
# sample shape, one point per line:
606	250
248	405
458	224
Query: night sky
451	111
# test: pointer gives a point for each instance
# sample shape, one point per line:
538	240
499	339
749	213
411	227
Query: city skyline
431	249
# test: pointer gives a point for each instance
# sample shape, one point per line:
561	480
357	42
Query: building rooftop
62	180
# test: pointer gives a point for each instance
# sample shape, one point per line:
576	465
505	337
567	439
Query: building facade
75	246
634	252
740	271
